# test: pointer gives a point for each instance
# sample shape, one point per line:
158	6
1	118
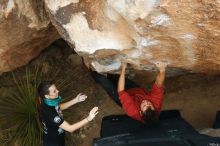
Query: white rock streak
145	42
188	37
160	20
87	40
111	14
106	68
134	54
54	5
133	9
10	6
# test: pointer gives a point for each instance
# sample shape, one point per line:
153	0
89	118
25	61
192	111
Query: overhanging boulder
185	34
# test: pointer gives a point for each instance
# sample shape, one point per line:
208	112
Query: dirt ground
196	96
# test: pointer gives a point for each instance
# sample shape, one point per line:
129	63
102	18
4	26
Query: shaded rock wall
185	34
25	30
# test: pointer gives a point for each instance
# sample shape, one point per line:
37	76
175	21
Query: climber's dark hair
150	117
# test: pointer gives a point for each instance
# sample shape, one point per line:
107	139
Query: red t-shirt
132	98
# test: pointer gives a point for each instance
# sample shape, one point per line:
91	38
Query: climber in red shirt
138	103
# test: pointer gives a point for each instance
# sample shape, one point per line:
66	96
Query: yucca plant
19	120
18	112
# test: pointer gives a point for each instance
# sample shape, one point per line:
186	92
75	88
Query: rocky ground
195	95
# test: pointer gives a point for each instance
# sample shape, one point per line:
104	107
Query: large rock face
186	34
25	30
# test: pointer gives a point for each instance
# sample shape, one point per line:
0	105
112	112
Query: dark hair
42	90
150	117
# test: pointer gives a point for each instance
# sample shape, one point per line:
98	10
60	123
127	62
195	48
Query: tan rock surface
185	34
25	30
